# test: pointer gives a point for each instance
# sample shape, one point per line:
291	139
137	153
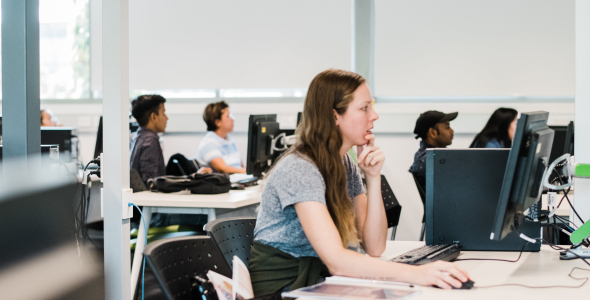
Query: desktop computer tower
462	193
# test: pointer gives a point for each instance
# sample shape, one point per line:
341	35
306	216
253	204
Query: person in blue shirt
499	131
217	150
434	128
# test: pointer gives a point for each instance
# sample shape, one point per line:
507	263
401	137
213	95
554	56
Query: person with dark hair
499	131
145	152
434	128
314	203
217	150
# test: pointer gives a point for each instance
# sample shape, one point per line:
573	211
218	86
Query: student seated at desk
434	128
314	204
217	150
146	154
499	131
49	119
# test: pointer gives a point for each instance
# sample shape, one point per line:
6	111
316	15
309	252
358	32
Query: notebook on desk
327	290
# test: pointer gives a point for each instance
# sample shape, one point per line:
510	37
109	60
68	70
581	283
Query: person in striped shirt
217	150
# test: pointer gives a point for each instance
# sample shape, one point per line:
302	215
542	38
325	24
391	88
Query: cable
511	261
146	239
545	287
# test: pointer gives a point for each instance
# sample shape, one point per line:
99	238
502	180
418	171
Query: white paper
242	284
222	285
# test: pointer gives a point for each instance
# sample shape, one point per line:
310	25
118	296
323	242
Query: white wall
474	48
190	44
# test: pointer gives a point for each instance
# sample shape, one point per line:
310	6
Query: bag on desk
212	183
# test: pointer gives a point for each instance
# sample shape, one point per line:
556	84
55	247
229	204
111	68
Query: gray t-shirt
295	179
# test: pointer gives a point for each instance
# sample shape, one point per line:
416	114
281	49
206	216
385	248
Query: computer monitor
261	130
65	137
569	139
98	145
558	147
527	161
133	127
299	115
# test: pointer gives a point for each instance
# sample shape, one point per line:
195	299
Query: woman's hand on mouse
443	274
370	158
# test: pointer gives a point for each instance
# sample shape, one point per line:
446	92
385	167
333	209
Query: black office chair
135	182
422	192
172	263
393	209
233	236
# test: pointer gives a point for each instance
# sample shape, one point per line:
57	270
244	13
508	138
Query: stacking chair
172	263
393	209
422	193
233	236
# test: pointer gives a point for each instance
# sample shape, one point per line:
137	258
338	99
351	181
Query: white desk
534	268
175	203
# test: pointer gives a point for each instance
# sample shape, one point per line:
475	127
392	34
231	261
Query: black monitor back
462	193
65	137
260	127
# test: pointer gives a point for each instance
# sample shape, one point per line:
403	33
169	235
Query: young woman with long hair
314	204
499	131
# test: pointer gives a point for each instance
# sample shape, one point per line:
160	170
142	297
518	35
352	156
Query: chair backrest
422	193
135	182
171	263
233	236
393	209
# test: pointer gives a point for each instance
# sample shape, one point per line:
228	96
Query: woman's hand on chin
370	158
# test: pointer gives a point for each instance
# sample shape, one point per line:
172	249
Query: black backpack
211	183
179	165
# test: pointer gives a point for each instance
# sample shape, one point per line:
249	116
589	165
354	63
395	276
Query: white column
115	164
582	110
363	40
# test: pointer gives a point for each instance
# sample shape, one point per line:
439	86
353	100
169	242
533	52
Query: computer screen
558	147
569	139
98	145
65	137
299	115
133	127
527	161
261	130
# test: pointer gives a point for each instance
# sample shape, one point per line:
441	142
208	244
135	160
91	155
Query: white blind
188	44
474	48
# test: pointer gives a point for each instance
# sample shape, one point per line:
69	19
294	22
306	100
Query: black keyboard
427	254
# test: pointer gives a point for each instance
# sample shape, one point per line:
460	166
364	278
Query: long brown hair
319	139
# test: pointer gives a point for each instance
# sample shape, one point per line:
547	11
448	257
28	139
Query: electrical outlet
127	197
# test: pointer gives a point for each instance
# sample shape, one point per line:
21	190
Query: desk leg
139	246
211	215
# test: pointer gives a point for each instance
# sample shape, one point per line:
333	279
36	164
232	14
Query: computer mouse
467	285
